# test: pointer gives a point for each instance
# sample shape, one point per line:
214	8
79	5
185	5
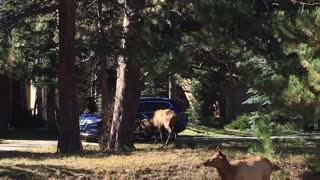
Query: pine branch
304	3
9	21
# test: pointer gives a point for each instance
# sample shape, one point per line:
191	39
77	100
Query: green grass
198	132
212	132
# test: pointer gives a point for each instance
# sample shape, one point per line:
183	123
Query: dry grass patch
148	162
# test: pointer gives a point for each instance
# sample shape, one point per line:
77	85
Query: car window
151	106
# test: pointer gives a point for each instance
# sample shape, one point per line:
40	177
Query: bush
289	127
241	123
218	123
262	130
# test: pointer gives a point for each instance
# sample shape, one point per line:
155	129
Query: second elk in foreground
255	168
162	119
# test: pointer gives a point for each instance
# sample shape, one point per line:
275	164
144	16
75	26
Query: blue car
91	124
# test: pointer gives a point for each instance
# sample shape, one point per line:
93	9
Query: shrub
262	129
241	123
218	123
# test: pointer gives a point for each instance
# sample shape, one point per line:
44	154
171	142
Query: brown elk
255	168
163	118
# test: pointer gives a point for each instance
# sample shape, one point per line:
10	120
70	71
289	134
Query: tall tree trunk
68	122
4	106
171	86
106	115
186	85
106	121
38	103
104	87
127	93
23	90
104	73
125	108
51	111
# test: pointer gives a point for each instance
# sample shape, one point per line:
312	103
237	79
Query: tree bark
104	89
126	103
106	120
51	111
103	68
127	92
186	85
38	106
171	86
68	122
4	106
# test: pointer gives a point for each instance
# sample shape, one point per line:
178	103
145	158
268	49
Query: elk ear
222	155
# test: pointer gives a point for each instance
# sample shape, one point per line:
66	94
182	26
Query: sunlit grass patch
197	132
211	132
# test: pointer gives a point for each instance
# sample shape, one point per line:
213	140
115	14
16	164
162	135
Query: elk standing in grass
164	118
255	168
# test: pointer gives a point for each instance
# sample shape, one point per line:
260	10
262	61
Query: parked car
91	124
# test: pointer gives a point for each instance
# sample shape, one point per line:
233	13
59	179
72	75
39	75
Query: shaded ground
182	141
299	158
31	134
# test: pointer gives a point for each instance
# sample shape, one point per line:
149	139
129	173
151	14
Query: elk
254	168
163	118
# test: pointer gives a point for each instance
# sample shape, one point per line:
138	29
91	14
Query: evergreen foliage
288	84
261	125
242	123
271	47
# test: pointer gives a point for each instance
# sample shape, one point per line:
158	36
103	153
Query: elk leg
169	135
160	133
174	134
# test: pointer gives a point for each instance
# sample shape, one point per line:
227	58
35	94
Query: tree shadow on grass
26	155
305	147
44	156
308	169
310	175
310	147
195	143
211	144
22	171
31	134
293	147
313	163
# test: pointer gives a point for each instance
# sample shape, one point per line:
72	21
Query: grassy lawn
149	161
212	132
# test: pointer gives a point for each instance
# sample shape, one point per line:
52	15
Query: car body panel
90	125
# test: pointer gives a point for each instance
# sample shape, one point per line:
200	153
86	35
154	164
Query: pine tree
288	85
68	122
